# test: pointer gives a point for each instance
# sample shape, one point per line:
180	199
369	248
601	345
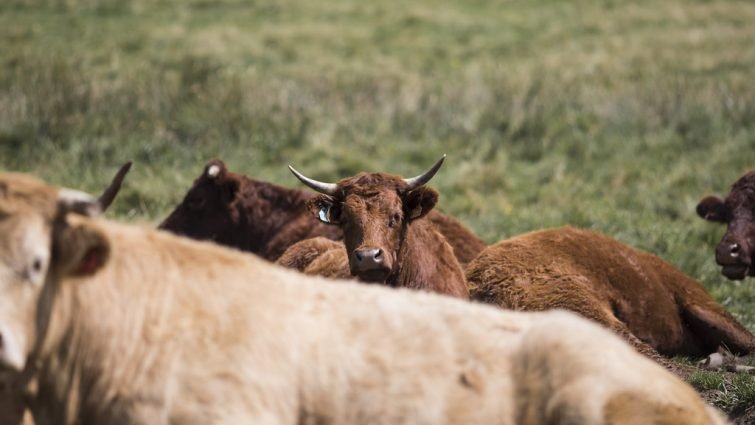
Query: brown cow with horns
386	236
265	219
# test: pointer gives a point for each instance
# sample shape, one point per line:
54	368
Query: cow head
207	209
373	210
41	243
736	251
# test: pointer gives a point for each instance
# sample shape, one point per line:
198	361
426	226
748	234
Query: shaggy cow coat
638	295
379	212
317	257
136	326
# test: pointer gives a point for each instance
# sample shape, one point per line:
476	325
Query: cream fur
173	331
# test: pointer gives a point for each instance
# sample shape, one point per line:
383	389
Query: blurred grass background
617	116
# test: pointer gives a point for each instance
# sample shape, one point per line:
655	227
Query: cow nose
728	252
369	257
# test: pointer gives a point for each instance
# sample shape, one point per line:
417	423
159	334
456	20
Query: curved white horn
425	177
325	188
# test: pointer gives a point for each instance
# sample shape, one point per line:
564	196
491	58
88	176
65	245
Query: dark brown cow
386	237
259	217
635	293
736	251
250	215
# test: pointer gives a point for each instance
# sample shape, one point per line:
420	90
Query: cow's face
38	243
207	209
736	251
373	210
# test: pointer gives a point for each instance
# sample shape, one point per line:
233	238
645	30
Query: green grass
617	116
731	393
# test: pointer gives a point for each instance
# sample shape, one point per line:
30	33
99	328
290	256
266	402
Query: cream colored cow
127	325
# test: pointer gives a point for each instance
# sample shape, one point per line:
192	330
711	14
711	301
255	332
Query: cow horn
425	177
70	200
109	194
325	188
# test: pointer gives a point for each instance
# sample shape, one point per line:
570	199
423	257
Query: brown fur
377	210
250	215
12	409
170	331
259	217
332	263
736	251
466	245
635	293
300	255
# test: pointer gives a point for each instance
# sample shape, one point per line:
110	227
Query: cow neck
41	337
56	340
421	264
403	262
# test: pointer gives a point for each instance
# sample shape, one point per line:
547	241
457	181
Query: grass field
617	116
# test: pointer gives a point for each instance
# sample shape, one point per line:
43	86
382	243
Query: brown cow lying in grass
132	326
386	236
265	219
635	293
736	251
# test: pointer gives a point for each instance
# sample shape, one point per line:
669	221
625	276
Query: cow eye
36	266
34	272
329	213
394	220
323	214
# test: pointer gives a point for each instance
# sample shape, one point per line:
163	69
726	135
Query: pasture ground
617	116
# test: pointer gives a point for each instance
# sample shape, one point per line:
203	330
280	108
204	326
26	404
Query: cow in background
126	325
638	295
250	215
387	238
736	251
259	217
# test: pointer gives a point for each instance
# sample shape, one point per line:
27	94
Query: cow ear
713	208
419	202
215	169
80	247
325	208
